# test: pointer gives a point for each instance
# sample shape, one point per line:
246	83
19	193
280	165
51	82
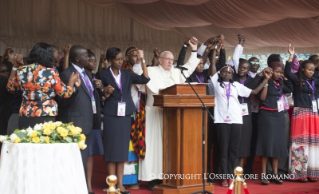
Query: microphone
181	68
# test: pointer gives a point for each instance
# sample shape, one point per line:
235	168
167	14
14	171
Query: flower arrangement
48	132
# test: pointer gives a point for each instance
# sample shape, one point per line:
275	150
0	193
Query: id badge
255	107
226	117
317	102
286	103
314	106
280	105
94	106
244	109
121	109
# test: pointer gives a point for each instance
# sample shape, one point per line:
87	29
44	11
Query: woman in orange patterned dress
39	83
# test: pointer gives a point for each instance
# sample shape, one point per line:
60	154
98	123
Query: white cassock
160	79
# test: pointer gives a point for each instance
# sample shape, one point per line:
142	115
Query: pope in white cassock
162	76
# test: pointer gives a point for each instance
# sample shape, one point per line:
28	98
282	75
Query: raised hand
193	42
241	39
77	83
157	52
267	72
140	54
18	61
291	50
66	49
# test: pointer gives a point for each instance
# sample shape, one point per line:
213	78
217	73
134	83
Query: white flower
29	128
30	132
3	138
13	137
37	127
23	131
58	123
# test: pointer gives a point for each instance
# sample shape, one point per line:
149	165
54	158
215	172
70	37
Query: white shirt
252	74
136	89
236	89
117	78
80	70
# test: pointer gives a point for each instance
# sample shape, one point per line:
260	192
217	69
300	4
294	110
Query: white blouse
234	109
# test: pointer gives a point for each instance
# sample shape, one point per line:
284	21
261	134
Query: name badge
280	105
254	107
318	102
94	106
121	109
226	117
244	109
314	106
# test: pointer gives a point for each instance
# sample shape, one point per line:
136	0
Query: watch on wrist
14	68
266	85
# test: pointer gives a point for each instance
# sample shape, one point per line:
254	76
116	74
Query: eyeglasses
254	63
168	59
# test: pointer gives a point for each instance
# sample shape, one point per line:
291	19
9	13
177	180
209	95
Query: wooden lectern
182	138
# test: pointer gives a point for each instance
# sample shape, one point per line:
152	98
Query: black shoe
91	193
151	185
125	192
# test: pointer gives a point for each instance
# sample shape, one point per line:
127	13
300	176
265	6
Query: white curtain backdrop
99	24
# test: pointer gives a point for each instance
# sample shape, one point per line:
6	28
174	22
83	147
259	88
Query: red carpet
254	186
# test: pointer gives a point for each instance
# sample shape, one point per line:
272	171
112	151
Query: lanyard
199	80
242	82
120	84
88	85
312	87
227	93
278	90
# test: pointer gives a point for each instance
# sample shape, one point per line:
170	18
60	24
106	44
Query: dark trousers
228	140
248	169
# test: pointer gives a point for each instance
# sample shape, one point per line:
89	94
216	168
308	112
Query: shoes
314	180
277	180
91	193
152	184
224	183
125	192
264	180
303	180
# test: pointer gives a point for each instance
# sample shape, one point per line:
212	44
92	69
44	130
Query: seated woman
39	83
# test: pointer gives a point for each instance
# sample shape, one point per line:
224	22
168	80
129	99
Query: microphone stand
203	135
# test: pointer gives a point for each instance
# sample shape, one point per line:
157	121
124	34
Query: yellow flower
59	129
47	131
17	140
82	136
47	140
34	133
36	139
82	145
64	133
75	130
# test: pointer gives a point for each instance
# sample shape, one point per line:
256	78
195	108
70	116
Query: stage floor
254	186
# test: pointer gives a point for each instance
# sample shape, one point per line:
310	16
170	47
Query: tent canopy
98	24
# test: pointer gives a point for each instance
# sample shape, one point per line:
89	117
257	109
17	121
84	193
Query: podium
182	138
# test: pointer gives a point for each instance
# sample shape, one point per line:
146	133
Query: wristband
143	61
14	68
194	50
266	85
